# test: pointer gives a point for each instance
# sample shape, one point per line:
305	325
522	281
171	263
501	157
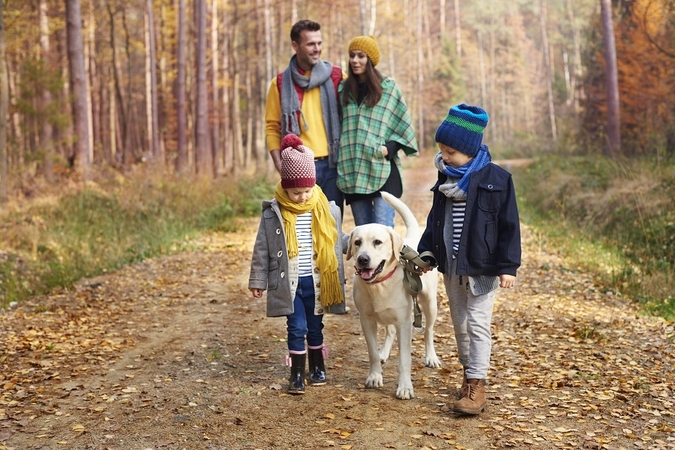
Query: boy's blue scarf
481	160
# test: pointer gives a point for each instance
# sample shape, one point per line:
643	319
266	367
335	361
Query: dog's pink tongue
367	274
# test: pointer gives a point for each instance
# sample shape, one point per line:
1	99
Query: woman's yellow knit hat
368	45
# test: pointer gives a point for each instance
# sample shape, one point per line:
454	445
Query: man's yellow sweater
314	136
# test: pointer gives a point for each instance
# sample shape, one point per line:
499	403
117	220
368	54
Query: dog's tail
412	228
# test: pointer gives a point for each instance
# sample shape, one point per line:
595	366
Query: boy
473	231
297	258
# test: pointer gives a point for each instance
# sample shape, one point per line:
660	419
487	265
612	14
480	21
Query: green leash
412	263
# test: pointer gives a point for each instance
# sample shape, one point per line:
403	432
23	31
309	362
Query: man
303	100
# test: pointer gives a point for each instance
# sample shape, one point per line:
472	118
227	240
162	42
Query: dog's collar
386	277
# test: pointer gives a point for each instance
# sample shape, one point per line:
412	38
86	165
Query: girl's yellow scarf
324	237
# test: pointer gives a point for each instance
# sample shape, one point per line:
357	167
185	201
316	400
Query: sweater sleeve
273	117
392	149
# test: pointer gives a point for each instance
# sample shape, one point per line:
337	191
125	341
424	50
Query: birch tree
547	65
78	86
46	131
152	109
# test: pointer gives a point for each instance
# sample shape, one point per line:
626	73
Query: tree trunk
88	59
151	83
373	17
613	121
250	112
362	14
94	89
118	139
181	157
228	159
481	67
576	72
133	148
458	30
215	89
46	138
203	155
4	104
441	19
15	132
547	63
420	76
165	103
78	84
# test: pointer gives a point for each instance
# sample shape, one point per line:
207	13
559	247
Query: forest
130	124
111	84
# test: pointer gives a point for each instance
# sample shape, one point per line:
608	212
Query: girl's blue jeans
303	322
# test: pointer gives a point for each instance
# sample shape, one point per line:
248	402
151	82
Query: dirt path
174	353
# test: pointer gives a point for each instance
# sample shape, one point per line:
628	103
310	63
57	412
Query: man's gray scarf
290	104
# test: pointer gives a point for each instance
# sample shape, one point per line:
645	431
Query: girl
297	258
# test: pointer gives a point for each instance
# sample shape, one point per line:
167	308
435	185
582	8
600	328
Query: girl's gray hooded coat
271	270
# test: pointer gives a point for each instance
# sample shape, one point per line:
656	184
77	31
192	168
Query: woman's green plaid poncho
362	169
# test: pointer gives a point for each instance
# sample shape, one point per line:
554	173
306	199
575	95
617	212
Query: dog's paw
405	392
374	381
432	361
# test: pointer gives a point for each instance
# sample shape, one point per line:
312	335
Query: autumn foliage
645	34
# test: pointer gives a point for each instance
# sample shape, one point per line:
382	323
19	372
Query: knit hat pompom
463	128
297	164
290	140
368	45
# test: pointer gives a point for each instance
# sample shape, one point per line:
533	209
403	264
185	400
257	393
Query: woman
375	126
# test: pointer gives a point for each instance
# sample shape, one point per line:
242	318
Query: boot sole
296	392
472	412
320	383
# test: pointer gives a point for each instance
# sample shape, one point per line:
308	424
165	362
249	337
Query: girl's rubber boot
317	369
297	380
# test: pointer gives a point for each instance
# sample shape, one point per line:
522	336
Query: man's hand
257	293
276	157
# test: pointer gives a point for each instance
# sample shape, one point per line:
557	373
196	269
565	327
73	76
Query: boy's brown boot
462	391
473	399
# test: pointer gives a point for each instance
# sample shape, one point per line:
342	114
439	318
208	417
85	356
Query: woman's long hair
373	86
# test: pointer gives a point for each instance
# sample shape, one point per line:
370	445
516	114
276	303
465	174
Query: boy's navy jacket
490	241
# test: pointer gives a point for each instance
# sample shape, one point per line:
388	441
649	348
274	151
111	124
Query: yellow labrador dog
381	298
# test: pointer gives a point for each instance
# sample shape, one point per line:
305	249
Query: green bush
101	228
623	209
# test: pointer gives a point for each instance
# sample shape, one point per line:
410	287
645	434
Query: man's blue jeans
326	178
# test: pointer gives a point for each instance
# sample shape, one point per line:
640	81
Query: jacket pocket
489	196
273	277
491	237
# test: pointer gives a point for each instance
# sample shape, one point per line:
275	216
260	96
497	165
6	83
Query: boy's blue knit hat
463	128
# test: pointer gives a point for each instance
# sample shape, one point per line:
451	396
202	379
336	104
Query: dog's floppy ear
349	246
396	243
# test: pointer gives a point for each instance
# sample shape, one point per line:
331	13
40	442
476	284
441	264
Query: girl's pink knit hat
297	164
